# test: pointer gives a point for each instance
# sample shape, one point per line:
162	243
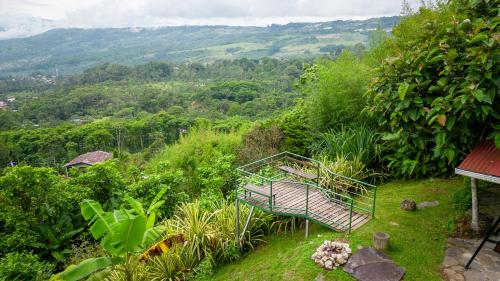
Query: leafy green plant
195	154
217	178
105	181
296	129
439	95
204	270
224	221
55	237
334	92
24	266
194	223
462	198
147	188
38	208
122	232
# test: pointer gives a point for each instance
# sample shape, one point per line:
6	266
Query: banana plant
55	236
122	232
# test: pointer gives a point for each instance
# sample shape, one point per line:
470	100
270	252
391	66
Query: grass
417	238
218	51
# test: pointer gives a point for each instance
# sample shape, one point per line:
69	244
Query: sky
43	14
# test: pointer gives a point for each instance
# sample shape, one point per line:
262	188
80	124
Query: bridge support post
307	229
236	204
246	224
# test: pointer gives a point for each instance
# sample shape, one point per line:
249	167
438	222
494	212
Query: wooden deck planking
291	199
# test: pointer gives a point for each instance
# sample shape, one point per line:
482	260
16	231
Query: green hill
69	51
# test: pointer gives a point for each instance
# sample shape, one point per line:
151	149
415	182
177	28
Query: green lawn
417	238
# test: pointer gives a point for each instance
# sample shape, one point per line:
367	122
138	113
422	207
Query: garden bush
439	95
38	210
334	92
24	266
105	181
263	140
146	189
194	155
297	130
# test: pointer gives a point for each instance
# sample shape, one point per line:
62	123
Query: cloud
125	13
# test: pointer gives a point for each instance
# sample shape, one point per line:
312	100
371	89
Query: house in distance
88	159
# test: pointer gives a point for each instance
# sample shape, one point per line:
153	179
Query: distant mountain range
68	51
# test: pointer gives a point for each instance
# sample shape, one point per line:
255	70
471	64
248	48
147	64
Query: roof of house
90	158
482	162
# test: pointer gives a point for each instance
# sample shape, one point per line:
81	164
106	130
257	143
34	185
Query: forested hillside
120	108
67	51
407	105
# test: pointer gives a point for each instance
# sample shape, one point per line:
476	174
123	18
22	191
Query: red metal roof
90	158
483	159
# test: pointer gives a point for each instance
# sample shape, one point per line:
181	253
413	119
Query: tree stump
408	205
381	241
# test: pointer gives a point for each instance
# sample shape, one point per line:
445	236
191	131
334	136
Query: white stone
331	254
329	265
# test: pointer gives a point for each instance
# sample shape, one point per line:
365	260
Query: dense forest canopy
119	108
408	104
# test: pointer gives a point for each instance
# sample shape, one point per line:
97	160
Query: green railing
347	192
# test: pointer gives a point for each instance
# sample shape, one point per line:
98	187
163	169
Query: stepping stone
427	204
369	265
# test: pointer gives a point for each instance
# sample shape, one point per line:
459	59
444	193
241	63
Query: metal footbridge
288	184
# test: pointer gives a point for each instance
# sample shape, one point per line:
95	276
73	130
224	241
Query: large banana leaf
127	233
101	221
155	206
151	220
156	203
136	205
87	267
99	276
152	235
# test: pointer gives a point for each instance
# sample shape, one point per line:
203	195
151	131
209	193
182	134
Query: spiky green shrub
351	168
350	143
213	230
176	264
130	269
